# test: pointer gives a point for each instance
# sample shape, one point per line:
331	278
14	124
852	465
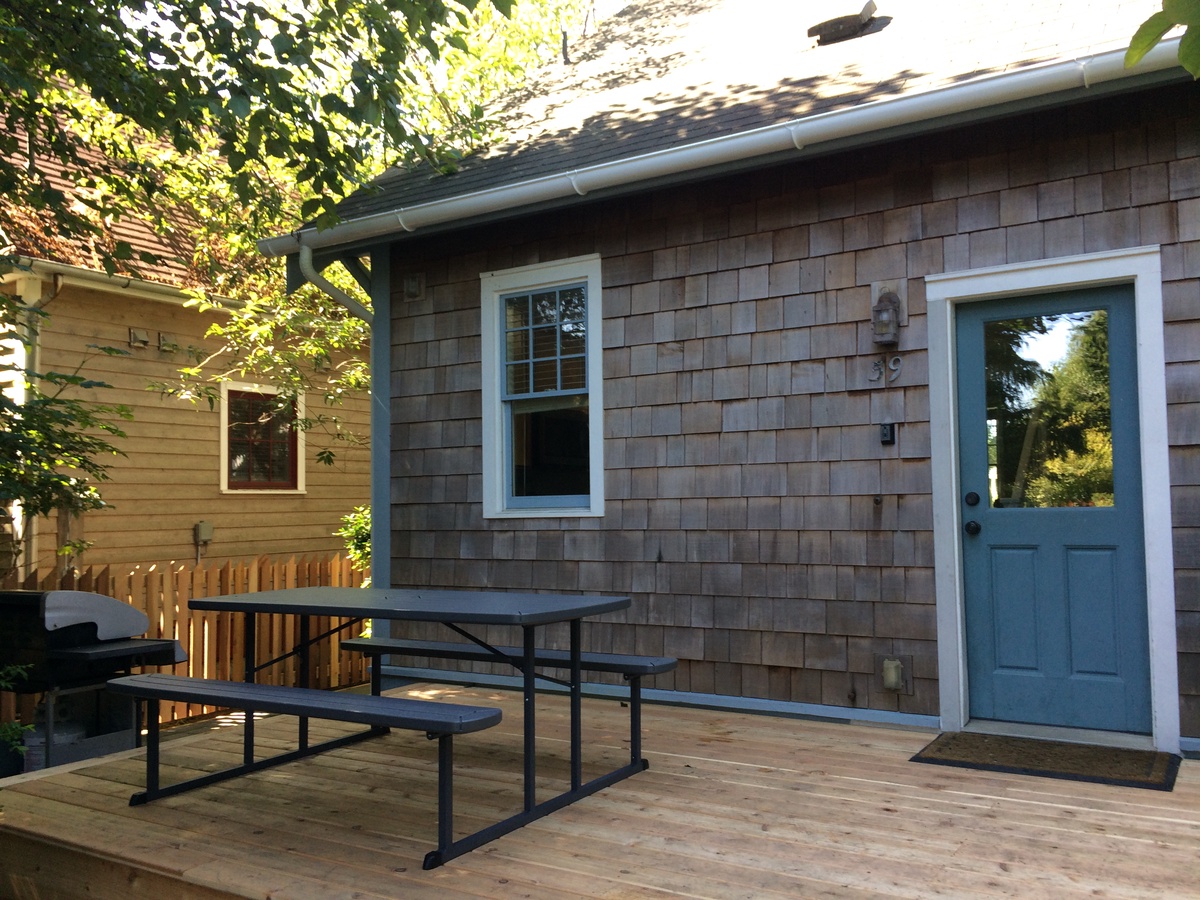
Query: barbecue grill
72	642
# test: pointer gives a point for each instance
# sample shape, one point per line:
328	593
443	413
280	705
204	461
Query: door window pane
1049	421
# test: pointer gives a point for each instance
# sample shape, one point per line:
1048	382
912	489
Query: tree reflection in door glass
1049	413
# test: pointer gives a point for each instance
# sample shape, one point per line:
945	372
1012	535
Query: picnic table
459	610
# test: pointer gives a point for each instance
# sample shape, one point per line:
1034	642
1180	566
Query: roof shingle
664	73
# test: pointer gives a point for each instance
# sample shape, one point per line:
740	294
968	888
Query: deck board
734	806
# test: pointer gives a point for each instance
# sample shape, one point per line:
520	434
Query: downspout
310	272
380	425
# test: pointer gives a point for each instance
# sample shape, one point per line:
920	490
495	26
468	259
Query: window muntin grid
262	449
545	342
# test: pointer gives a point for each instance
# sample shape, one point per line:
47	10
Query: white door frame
1139	266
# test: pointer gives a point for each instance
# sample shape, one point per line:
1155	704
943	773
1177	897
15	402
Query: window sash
546	454
545	341
545	315
262	450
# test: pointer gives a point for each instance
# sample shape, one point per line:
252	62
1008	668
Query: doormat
1053	759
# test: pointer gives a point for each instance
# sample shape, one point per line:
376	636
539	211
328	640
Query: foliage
300	344
223	122
1075	407
1009	374
1076	478
12	733
1155	28
275	110
54	442
1074	398
356	532
323	90
1052	443
1071	414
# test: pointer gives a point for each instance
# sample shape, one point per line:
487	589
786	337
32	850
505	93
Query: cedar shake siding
768	538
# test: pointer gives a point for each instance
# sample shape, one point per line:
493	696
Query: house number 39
892	367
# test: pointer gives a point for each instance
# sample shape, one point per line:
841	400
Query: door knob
972	528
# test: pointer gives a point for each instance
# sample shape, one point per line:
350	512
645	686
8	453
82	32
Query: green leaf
310	207
1146	38
1183	12
1189	51
239	105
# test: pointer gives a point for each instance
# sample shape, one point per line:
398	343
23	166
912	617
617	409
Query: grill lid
112	618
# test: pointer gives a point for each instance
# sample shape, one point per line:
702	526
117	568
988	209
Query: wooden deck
733	805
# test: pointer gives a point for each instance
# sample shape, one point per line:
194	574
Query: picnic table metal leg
305	677
635	720
435	858
250	635
576	708
153	733
530	685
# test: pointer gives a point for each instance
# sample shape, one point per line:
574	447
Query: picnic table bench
630	666
438	720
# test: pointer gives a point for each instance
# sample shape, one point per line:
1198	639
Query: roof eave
80	276
976	98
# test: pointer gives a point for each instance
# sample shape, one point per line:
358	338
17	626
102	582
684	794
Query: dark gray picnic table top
481	607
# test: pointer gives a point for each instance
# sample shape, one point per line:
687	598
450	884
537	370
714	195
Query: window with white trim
542	380
261	447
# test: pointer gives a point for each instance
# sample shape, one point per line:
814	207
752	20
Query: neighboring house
731	325
186	489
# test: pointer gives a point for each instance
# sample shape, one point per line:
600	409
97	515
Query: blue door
1053	559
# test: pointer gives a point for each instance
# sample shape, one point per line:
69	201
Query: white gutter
90	278
856	121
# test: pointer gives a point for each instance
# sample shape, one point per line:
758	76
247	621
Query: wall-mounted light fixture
885	319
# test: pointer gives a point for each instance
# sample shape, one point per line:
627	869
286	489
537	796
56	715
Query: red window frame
254	435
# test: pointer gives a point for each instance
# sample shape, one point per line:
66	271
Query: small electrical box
887	433
202	532
894	673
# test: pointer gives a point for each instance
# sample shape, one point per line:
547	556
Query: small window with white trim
262	449
543	407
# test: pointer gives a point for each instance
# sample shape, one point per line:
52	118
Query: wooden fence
213	641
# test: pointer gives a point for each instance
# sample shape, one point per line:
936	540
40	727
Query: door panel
1053	559
1016	569
1094	615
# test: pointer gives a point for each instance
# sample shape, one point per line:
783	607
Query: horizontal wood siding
169	478
768	539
